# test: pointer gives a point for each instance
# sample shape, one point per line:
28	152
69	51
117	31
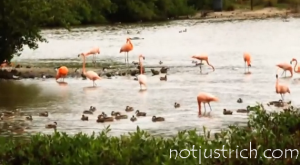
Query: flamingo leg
204	108
127	59
282	72
245	67
209	106
200	66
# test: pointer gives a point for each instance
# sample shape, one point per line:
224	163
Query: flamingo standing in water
203	58
296	68
95	50
89	74
142	78
285	67
205	98
126	48
281	89
62	72
247	60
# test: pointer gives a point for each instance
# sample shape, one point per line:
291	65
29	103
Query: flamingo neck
131	45
83	65
210	65
277	84
141	65
295	66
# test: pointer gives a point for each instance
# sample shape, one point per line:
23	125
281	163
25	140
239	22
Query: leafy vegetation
264	131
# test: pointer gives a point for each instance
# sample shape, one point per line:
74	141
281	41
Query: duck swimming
242	111
155	119
113	113
138	113
163	78
154	72
128	109
160	62
119	116
164	70
51	125
92	108
102	119
87	112
84	118
176	105
29	117
227	112
133	118
44	114
240	100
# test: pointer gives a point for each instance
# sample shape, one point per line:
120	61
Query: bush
264	131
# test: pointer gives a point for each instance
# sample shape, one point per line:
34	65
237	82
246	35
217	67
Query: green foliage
264	131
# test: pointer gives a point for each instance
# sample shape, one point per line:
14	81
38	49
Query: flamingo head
128	39
293	60
142	57
81	54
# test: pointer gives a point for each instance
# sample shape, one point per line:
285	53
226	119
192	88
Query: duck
29	117
133	118
176	105
128	109
138	113
135	78
102	119
239	100
113	113
51	125
160	62
92	108
155	119
154	72
88	112
242	111
163	78
135	63
119	116
84	118
5	117
44	114
164	70
227	112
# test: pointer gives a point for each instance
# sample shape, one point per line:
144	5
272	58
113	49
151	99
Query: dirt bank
245	14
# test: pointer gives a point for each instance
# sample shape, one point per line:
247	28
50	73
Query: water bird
163	78
205	98
119	116
113	113
135	63
247	60
296	68
239	100
88	112
203	58
160	62
84	118
243	111
93	51
176	105
92	108
44	114
281	89
90	74
155	119
127	47
142	78
29	117
133	118
285	67
138	113
61	72
6	117
102	119
227	112
164	70
154	72
135	78
128	109
51	125
185	30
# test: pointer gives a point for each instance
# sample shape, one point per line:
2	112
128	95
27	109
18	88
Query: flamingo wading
90	74
281	89
203	58
62	72
142	78
296	68
247	60
127	47
95	50
205	98
285	67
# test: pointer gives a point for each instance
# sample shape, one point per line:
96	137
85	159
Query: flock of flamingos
204	98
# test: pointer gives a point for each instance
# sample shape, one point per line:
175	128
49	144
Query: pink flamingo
296	69
62	72
281	89
126	48
142	78
203	58
285	67
90	74
205	98
247	60
95	50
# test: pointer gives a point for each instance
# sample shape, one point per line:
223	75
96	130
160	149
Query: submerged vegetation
276	130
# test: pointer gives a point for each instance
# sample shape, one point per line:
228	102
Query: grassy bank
278	130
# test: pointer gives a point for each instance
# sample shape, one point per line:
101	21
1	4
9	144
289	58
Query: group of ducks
103	117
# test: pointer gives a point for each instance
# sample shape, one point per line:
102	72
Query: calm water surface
269	42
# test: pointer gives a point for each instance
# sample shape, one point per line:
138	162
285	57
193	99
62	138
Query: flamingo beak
276	75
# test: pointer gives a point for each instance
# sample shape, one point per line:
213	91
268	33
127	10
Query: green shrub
264	131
